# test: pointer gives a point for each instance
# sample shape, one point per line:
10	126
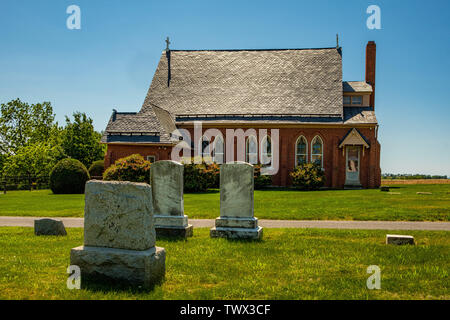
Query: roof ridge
234	50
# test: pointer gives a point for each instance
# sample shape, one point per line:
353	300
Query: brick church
300	92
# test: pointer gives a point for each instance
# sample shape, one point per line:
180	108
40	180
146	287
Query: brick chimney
371	56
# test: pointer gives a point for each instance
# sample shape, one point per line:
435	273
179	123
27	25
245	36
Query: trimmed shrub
133	168
68	176
96	169
309	176
195	178
212	172
261	181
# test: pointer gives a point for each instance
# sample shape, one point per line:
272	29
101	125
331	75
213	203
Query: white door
352	166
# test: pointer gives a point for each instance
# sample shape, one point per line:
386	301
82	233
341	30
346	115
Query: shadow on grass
101	283
209	191
243	240
301	190
172	238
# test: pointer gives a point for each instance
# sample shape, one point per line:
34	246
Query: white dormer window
353	100
347	100
357	100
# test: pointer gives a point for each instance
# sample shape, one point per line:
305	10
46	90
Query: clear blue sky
110	62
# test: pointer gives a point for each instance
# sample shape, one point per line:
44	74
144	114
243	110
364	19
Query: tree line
32	142
406	176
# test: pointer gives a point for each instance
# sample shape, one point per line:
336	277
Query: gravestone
236	219
399	239
119	235
166	179
49	227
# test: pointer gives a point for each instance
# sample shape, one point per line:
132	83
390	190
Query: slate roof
148	127
359	115
356	86
352	115
292	81
241	86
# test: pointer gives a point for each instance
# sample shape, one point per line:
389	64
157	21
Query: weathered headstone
236	219
49	227
399	239
119	235
166	179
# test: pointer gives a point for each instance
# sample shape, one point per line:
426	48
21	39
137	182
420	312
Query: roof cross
167	44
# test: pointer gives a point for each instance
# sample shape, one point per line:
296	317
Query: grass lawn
402	203
286	264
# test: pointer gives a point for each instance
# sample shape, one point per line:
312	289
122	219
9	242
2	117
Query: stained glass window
218	150
317	151
266	156
301	153
251	153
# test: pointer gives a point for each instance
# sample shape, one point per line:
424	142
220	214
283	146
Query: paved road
207	223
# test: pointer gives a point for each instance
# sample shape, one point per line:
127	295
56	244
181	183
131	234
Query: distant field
401	204
387	182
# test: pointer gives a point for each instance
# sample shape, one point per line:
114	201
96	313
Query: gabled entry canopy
354	138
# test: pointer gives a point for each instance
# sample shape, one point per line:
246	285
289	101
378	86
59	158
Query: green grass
282	204
286	264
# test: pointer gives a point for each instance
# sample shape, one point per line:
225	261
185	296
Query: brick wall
333	158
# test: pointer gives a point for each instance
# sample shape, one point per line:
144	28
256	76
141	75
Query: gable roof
155	126
218	82
354	137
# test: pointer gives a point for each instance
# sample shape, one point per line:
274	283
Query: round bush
212	172
68	176
195	178
133	168
309	176
96	169
261	181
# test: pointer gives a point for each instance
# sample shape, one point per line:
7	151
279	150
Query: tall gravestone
119	235
236	219
166	179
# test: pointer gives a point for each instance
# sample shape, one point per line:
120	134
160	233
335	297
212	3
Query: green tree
22	124
80	141
36	159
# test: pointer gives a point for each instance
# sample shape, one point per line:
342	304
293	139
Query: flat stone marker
399	239
119	235
49	227
166	179
236	219
423	193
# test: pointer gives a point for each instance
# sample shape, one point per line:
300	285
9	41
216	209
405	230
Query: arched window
205	148
266	151
218	150
251	150
317	151
301	151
